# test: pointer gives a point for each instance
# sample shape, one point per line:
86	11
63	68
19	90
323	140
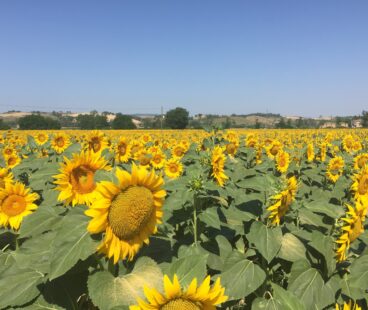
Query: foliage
92	121
52	261
37	121
122	122
177	118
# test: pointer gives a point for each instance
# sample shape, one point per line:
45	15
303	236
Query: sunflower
360	161
178	151
354	227
60	142
12	161
16	202
282	161
9	151
273	148
158	160
203	297
173	168
282	201
122	151
322	152
349	306
96	141
218	164
41	138
5	177
128	213
76	181
144	158
348	143
310	152
335	168
232	148
360	185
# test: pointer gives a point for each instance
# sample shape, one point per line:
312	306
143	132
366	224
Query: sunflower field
184	220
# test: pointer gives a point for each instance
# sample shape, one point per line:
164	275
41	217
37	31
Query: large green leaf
188	268
108	292
266	304
307	286
267	240
286	298
324	245
72	243
359	273
41	220
292	249
240	276
19	286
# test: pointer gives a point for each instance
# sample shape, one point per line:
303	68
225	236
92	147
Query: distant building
357	123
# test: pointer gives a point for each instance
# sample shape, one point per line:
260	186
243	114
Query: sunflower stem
195	202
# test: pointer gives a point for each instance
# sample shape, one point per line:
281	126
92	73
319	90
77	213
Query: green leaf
241	276
324	245
211	218
359	273
307	286
41	220
72	243
108	292
19	286
320	206
188	268
286	298
267	240
266	304
292	249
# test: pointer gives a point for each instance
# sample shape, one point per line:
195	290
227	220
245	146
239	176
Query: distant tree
257	125
122	122
3	125
92	121
37	121
365	119
227	124
177	118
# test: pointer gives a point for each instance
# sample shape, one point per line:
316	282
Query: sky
306	58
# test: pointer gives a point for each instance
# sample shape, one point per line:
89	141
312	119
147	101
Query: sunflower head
60	142
352	228
41	138
282	161
360	161
360	184
173	168
96	141
12	161
5	177
76	181
176	298
218	164
127	213
335	168
16	202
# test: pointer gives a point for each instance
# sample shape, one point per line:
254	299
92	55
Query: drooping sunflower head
335	168
60	142
127	213
310	152
282	201
218	164
173	168
76	181
41	138
5	177
203	297
352	228
16	202
96	141
348	306
360	185
282	161
360	161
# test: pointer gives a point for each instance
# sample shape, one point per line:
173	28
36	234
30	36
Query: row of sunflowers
236	219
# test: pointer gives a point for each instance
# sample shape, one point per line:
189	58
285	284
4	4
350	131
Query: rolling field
185	220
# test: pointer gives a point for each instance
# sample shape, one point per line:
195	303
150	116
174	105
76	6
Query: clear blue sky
291	57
